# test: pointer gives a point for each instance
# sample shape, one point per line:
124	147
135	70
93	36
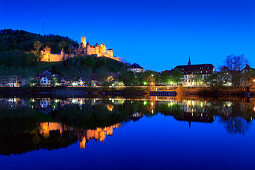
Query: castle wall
54	57
84	49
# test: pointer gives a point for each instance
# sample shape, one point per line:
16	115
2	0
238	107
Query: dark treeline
24	41
19	48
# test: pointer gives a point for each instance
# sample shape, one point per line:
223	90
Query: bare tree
235	64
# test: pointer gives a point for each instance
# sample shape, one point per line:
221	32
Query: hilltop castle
98	50
85	49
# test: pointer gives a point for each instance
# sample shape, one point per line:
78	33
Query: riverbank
72	91
118	91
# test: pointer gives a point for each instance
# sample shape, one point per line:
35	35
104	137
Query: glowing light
109	107
82	143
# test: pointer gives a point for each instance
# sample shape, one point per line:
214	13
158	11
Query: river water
127	133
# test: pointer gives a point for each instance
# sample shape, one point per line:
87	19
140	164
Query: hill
17	57
24	41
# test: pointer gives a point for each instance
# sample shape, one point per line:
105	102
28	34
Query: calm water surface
122	133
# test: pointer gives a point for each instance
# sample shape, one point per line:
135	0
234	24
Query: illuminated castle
47	56
95	50
85	49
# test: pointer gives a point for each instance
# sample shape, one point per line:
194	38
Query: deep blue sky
156	34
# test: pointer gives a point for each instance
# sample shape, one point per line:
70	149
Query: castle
47	56
85	49
98	50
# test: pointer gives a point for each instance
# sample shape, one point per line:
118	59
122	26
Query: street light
152	83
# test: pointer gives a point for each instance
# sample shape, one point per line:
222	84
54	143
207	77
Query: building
194	75
44	78
47	56
95	50
9	81
248	75
136	68
225	76
85	49
45	81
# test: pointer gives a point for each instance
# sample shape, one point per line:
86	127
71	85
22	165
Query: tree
164	77
37	46
176	76
127	78
89	62
55	81
197	78
235	64
62	44
150	76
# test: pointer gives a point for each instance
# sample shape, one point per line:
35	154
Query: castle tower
102	49
110	53
83	42
189	63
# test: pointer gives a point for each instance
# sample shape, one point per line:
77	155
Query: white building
136	68
44	81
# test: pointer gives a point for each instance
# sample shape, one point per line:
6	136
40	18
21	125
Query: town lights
253	80
144	83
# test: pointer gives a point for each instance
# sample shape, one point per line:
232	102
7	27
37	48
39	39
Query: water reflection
46	123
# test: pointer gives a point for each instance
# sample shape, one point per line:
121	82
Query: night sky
156	34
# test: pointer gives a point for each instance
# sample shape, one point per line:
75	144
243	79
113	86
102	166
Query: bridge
163	91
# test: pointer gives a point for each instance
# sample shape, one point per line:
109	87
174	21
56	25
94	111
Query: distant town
51	61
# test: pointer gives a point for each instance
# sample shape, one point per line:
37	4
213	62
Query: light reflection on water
126	131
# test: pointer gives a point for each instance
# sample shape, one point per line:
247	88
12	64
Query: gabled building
195	74
136	68
225	76
44	78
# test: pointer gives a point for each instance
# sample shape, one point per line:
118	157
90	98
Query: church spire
189	63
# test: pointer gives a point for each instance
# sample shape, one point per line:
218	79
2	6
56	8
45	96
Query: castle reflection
46	123
83	135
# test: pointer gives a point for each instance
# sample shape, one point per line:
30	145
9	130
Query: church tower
189	63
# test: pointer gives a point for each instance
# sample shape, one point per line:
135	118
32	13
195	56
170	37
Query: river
127	133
